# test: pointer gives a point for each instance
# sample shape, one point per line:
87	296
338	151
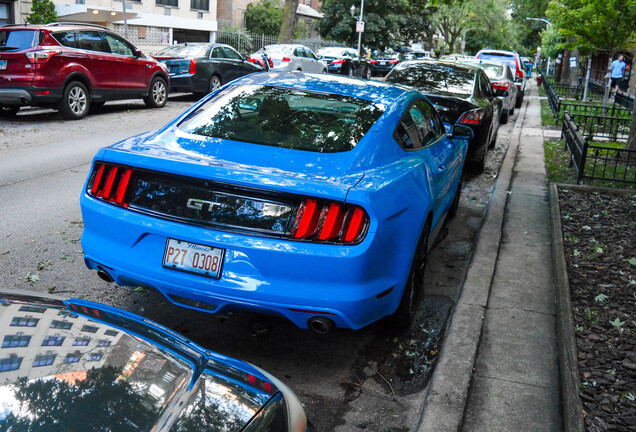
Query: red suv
72	67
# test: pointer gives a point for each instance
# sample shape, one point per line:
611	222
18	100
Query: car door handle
148	66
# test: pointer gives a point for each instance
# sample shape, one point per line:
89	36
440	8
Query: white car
288	57
501	78
514	61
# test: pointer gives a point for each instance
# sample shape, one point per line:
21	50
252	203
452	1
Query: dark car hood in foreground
80	366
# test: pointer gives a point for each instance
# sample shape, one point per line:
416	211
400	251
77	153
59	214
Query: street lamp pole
353	8
541	19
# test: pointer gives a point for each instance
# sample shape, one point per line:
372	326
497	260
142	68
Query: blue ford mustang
312	197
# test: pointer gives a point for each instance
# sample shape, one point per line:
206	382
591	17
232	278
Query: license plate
193	258
3	64
382	63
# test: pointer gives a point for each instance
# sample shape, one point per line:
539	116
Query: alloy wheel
159	92
77	100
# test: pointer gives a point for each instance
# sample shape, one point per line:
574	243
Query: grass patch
557	161
541	91
547	118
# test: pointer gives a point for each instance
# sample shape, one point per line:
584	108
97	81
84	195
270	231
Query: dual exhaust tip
318	324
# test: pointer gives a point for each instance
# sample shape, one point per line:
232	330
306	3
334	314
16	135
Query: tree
43	12
529	30
264	17
450	20
290	19
593	26
383	20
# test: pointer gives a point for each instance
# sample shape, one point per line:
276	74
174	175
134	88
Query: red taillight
393	61
473	117
286	59
501	85
330	222
336	61
193	67
41	56
110	183
373	61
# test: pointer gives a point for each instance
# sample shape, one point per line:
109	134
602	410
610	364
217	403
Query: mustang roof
374	91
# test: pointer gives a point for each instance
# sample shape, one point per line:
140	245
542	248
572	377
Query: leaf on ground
632	261
32	277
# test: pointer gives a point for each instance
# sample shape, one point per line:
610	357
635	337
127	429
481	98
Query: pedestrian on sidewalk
617	70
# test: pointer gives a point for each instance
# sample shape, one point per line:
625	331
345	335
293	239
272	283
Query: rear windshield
433	78
18	39
331	52
276	49
286	118
492	70
192	51
386	56
169	51
510	59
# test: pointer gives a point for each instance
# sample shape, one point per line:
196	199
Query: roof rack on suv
13	25
67	23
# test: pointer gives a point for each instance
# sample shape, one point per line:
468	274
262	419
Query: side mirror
138	53
462	132
501	93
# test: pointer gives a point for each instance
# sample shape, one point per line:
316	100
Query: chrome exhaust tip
320	324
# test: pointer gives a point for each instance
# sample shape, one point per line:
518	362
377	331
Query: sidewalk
498	370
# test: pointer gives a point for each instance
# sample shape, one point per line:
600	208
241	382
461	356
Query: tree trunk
565	68
290	18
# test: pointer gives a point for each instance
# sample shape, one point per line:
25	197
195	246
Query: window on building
53	341
111	333
61	325
10	364
66	314
44	360
16	341
200	4
90	329
95	357
81	341
174	3
24	322
72	357
32	309
103	343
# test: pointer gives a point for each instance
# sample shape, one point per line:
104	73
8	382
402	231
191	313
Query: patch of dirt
598	231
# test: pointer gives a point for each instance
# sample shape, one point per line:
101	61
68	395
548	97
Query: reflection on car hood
450	107
81	366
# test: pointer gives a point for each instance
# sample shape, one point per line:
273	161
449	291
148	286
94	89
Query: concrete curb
568	360
568	353
445	399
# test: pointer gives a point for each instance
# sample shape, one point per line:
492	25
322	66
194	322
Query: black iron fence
587	109
599	126
595	161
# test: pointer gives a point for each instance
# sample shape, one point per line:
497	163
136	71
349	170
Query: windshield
18	39
185	51
509	59
434	78
331	52
283	117
386	56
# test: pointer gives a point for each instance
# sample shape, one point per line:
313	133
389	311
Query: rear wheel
8	111
367	73
478	163
215	83
519	100
504	117
350	71
405	313
452	211
75	102
158	93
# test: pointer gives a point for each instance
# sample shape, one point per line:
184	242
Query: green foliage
551	43
529	31
594	25
43	12
264	17
383	22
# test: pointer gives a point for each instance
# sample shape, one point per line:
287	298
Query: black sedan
75	365
384	62
203	67
345	61
462	94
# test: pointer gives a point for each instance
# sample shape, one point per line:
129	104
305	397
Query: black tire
504	117
367	73
76	102
157	93
215	83
512	110
478	163
9	111
452	211
493	143
350	71
325	71
407	309
519	100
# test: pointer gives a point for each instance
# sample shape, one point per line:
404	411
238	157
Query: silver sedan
288	57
